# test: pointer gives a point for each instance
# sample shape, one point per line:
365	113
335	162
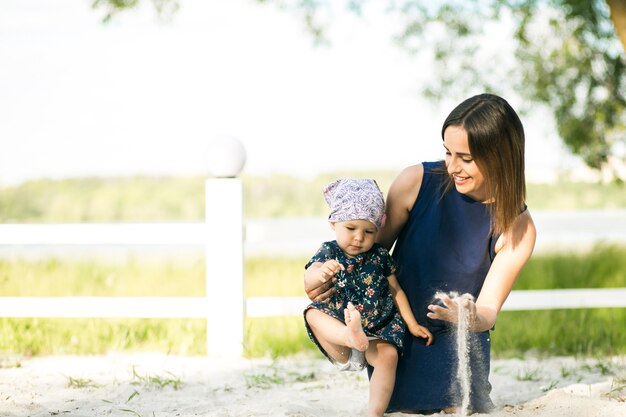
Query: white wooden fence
224	280
221	235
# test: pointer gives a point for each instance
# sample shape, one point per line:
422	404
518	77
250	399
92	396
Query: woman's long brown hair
496	141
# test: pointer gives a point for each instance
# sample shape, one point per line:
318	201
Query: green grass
53	277
584	332
602	267
276	337
158	381
81	383
45	336
587	332
142	277
580	332
275	277
574	195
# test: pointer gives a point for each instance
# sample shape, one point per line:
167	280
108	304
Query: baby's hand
423	332
329	269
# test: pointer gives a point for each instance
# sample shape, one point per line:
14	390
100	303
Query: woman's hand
321	292
320	278
450	310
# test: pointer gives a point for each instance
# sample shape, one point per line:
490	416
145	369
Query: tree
110	8
565	54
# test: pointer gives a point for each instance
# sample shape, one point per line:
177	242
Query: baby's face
355	236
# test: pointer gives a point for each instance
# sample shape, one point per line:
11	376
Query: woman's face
467	177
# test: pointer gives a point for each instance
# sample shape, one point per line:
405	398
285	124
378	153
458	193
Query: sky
142	96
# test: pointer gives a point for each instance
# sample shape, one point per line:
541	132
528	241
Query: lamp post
224	249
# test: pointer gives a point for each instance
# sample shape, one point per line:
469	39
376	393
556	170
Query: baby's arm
402	303
320	272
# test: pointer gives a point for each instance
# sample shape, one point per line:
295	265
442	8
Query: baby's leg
330	333
356	336
383	357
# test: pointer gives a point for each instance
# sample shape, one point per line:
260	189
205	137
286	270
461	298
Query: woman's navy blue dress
444	246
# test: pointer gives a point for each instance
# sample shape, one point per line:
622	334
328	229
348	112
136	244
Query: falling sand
462	345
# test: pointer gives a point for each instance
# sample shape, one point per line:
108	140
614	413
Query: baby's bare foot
356	336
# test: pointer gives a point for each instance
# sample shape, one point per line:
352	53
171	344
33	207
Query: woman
459	225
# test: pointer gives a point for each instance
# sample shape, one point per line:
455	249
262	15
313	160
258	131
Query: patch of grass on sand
81	383
159	381
618	390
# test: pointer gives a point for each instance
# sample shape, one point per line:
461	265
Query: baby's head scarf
355	199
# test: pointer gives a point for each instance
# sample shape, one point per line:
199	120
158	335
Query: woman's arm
320	291
513	249
400	199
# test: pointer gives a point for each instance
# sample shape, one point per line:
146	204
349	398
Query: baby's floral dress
364	283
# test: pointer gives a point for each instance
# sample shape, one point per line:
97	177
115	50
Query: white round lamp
227	156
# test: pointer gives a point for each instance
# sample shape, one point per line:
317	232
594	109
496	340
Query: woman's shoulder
409	177
407	185
433	166
414	174
522	234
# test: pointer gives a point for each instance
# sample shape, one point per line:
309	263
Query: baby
365	319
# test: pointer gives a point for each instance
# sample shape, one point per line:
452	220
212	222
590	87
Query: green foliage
111	8
570	196
576	67
137	199
562	54
175	199
285	196
566	56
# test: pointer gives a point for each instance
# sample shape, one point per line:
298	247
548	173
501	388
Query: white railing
196	307
517	300
221	236
225	286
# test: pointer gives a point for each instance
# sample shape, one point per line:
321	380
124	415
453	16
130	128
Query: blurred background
146	91
109	110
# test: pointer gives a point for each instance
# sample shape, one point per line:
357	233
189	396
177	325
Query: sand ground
156	385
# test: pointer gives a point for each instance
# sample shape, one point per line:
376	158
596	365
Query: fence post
224	250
